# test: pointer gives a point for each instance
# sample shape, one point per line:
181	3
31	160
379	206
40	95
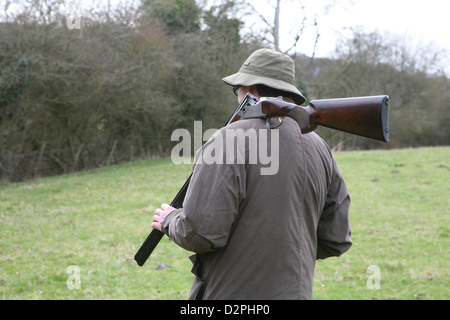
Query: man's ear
253	91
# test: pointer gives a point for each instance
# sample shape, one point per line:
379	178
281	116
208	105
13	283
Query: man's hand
160	215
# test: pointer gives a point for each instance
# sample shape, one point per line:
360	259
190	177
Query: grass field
75	236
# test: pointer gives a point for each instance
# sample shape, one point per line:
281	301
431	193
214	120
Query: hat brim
247	79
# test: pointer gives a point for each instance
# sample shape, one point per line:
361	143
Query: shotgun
364	116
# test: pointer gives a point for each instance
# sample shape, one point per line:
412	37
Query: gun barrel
155	236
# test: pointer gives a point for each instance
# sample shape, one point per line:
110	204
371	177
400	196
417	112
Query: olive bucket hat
267	67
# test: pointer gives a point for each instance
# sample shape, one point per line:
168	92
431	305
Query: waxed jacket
257	234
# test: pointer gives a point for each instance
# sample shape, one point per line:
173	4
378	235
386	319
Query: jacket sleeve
334	233
211	204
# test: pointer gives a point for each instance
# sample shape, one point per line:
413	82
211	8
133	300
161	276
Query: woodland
85	89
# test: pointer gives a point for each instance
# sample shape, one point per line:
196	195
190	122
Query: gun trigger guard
276	125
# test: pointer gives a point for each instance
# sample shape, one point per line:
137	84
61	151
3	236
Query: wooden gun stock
363	116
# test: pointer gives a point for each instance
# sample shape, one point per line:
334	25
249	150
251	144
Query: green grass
400	216
96	220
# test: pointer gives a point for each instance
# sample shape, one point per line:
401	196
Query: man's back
257	237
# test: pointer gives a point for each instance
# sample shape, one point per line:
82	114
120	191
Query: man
257	236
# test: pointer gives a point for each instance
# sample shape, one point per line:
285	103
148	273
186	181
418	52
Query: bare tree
374	64
306	15
276	26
